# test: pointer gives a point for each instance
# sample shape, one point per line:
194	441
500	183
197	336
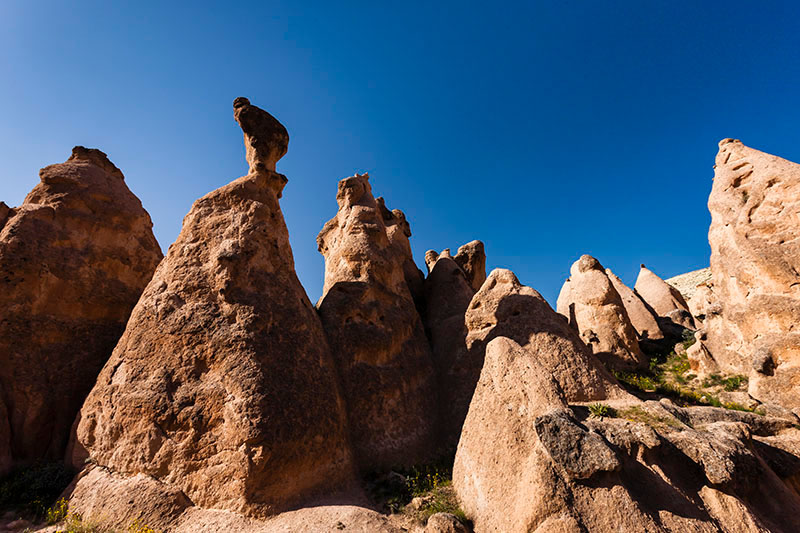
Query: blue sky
545	129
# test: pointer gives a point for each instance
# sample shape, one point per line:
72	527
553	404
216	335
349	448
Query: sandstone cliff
74	258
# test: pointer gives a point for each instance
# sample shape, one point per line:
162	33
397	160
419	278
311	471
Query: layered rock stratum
222	392
74	259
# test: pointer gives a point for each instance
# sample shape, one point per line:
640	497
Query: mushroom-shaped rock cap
584	264
265	139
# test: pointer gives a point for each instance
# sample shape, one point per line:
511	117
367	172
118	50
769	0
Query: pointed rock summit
223	387
449	288
595	309
375	331
644	321
665	300
74	258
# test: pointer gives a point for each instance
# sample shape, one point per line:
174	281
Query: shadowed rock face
265	139
223	385
595	309
753	307
74	258
642	317
375	331
448	292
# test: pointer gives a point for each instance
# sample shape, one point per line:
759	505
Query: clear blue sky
545	129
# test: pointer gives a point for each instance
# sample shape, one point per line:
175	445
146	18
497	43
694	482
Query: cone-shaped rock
448	292
752	317
376	334
595	309
223	385
74	259
399	230
506	308
662	297
642	317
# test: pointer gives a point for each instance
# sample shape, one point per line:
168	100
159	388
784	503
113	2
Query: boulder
528	462
74	259
376	334
448	292
503	307
445	523
472	259
595	309
641	315
755	260
223	386
662	297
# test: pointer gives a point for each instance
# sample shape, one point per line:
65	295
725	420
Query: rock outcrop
665	300
595	309
375	331
448	292
74	259
529	462
5	438
222	389
752	316
503	307
688	283
642	317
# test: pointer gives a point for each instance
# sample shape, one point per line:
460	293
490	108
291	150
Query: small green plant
138	527
600	410
57	512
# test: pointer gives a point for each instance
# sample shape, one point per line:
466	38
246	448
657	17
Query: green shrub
600	410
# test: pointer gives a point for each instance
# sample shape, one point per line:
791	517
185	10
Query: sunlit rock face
74	259
751	316
595	309
223	387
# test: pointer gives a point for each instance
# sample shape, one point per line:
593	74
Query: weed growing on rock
600	410
34	489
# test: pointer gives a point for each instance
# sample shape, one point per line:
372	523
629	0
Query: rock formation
528	462
642	317
752	315
222	389
506	308
595	309
688	283
5	438
376	333
74	258
398	230
665	300
448	292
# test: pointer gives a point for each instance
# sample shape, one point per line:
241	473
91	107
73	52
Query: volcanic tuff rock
662	297
595	309
448	292
506	308
5	438
399	230
74	258
527	462
688	283
223	385
642	317
376	333
753	311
